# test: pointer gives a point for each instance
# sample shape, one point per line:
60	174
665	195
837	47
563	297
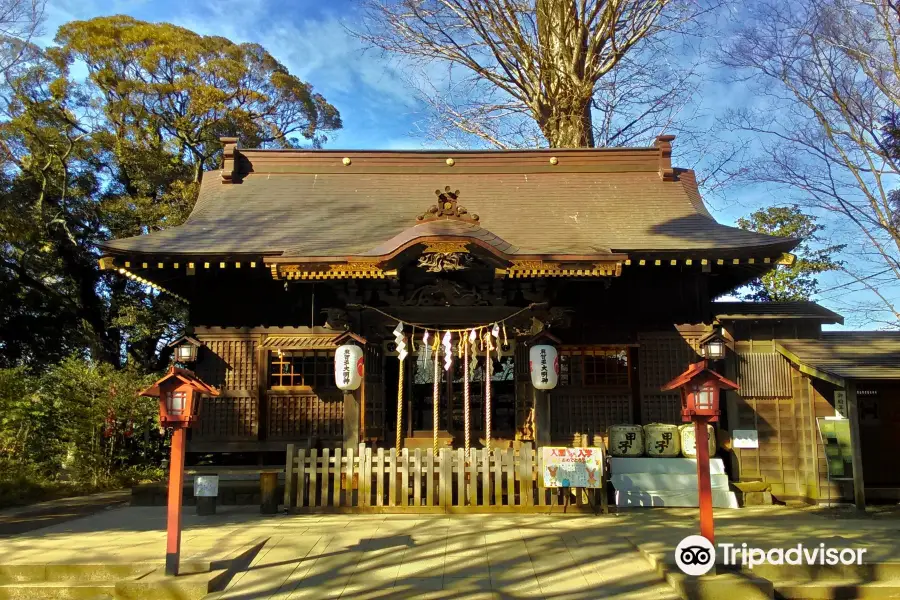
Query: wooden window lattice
374	393
585	413
301	368
764	375
593	367
662	357
296	416
227	418
229	364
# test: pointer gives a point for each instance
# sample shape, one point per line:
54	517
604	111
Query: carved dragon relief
439	262
445	293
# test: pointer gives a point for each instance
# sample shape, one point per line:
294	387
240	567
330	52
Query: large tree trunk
567	125
566	119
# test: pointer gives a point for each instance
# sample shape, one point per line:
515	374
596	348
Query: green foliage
797	281
79	423
120	154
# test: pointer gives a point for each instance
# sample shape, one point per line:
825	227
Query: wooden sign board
835	437
572	467
840	404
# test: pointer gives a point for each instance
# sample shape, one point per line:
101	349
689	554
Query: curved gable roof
591	201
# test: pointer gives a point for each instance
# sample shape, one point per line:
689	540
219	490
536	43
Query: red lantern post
179	394
700	389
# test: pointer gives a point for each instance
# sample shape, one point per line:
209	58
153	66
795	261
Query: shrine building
608	255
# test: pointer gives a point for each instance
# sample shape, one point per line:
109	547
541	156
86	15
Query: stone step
721	585
664	481
676	498
89	572
685	466
58	590
866	572
828	590
153	586
158	586
34	573
713	586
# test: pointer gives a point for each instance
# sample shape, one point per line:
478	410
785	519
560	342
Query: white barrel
688	444
626	440
662	439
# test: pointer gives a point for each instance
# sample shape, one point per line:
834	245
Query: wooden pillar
176	491
732	413
541	417
351	419
262	399
704	486
268	483
859	489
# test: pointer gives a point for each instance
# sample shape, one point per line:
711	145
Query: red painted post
176	490
704	487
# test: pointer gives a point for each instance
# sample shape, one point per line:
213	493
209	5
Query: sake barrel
626	440
662	439
688	444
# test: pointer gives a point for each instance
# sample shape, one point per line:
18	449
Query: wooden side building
612	251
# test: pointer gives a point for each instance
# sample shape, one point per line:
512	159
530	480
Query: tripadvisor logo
695	555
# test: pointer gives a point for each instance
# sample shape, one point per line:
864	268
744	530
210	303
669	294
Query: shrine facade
610	254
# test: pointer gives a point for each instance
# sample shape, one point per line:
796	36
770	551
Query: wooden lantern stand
175	498
704	486
179	393
700	389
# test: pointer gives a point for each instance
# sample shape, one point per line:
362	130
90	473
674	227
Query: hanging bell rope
487	391
466	418
436	399
400	406
400	339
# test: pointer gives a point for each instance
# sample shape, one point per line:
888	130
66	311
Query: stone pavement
14	521
435	556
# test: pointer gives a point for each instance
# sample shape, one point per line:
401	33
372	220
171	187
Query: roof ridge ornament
447	207
231	148
664	144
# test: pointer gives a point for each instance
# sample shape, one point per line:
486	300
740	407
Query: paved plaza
434	556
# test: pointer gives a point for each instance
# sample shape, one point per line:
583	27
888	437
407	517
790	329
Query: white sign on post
745	438
572	467
840	404
206	486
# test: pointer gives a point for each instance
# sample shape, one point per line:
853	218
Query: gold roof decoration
447	207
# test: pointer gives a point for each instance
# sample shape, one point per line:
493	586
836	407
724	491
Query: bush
81	424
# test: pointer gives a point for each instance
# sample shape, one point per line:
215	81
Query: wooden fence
416	480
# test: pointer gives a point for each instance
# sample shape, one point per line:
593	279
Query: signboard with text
572	467
745	438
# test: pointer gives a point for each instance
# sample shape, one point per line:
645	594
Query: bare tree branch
546	61
827	78
20	20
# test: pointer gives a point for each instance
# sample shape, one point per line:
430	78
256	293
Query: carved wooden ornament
447	207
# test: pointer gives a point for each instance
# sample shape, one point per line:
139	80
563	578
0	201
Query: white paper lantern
348	367
544	364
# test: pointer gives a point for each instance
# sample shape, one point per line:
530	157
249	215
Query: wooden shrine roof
699	370
586	202
184	376
842	355
753	311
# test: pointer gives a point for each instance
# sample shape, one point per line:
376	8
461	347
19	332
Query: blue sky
378	109
307	36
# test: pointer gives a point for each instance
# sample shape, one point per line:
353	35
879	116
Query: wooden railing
364	480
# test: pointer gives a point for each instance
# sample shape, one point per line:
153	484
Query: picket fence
417	480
